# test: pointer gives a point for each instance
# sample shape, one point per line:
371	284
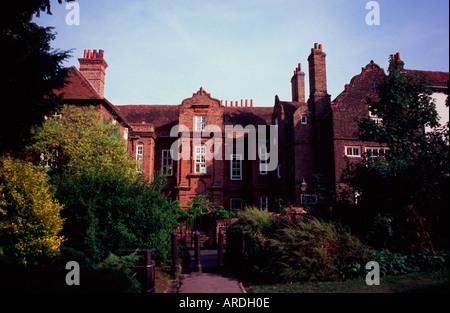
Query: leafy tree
32	66
80	142
416	170
406	108
30	220
108	206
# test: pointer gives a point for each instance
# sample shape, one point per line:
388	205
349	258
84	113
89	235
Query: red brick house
314	135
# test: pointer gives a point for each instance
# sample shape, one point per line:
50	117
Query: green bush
47	273
30	219
258	227
110	213
314	250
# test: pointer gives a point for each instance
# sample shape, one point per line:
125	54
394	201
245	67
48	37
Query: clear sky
162	51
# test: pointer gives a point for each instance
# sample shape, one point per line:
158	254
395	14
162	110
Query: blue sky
162	51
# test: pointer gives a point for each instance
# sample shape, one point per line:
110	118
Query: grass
165	282
414	282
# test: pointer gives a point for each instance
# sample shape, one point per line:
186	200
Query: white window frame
200	122
233	202
140	157
306	199
383	150
236	172
262	162
200	159
166	162
304	119
351	153
264	203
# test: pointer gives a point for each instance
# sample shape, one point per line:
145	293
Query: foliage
33	65
258	226
392	263
414	174
406	107
109	213
80	142
47	273
109	207
314	250
30	220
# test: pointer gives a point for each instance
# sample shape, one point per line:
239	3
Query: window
200	123
377	151
308	199
166	163
353	151
236	167
236	204
263	160
140	157
375	118
304	119
279	171
200	159
264	203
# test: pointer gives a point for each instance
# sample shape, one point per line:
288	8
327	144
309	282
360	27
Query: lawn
414	282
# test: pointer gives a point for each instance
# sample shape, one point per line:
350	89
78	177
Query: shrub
47	273
314	250
258	227
110	213
30	218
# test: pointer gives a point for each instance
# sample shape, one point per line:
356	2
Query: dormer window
200	123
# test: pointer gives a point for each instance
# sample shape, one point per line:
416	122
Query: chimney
317	71
319	99
298	85
93	67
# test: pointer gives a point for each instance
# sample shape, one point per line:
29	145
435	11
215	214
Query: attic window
200	123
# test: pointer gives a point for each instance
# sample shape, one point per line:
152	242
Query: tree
30	220
30	75
415	172
80	142
108	206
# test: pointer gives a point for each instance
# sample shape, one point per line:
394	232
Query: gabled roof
77	87
78	90
438	79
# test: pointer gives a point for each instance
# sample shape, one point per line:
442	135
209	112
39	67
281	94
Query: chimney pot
251	103
242	103
320	47
316	46
246	102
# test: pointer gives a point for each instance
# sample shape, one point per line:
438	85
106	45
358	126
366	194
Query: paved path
209	281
